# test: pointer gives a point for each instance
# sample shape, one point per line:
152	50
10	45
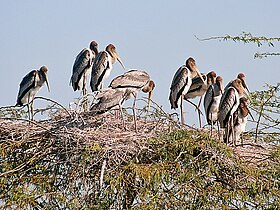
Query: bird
181	84
102	66
29	87
82	67
229	104
134	80
198	88
239	121
242	77
212	100
107	99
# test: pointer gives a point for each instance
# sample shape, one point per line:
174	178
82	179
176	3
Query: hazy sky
154	35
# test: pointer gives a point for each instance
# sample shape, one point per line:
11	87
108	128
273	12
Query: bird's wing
99	67
83	61
178	84
208	100
226	105
108	99
28	82
131	79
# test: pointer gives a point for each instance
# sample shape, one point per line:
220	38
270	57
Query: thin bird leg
211	126
195	106
85	93
198	111
218	125
28	107
32	109
133	109
120	107
182	112
232	131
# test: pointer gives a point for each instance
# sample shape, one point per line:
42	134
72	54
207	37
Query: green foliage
266	104
248	38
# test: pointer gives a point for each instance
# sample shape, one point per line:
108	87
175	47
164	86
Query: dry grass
104	135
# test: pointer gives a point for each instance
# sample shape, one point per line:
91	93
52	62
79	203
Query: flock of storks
228	106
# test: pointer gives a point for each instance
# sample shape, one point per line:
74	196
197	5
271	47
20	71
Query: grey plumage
109	98
212	100
29	87
181	83
82	66
239	121
102	66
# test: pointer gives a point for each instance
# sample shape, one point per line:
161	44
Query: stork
239	121
198	89
82	67
109	98
134	81
102	66
242	77
181	84
212	100
229	104
29	87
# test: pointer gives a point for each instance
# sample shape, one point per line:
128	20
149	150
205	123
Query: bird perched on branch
102	66
181	84
29	87
212	100
198	88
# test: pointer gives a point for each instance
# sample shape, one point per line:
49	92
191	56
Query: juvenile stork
242	77
229	104
181	84
102	66
29	87
134	81
198	89
212	100
82	67
239	121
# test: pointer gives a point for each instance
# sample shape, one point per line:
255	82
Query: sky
156	36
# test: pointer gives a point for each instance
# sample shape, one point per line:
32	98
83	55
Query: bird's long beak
47	81
199	74
245	87
120	61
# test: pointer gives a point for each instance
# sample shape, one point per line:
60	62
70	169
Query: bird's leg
133	109
120	107
196	107
218	125
198	110
211	125
28	107
32	109
85	93
232	131
182	112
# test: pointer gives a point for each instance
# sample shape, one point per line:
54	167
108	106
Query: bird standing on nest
212	100
239	121
134	81
29	87
229	104
198	89
181	84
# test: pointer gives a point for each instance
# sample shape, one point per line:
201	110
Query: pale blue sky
154	35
